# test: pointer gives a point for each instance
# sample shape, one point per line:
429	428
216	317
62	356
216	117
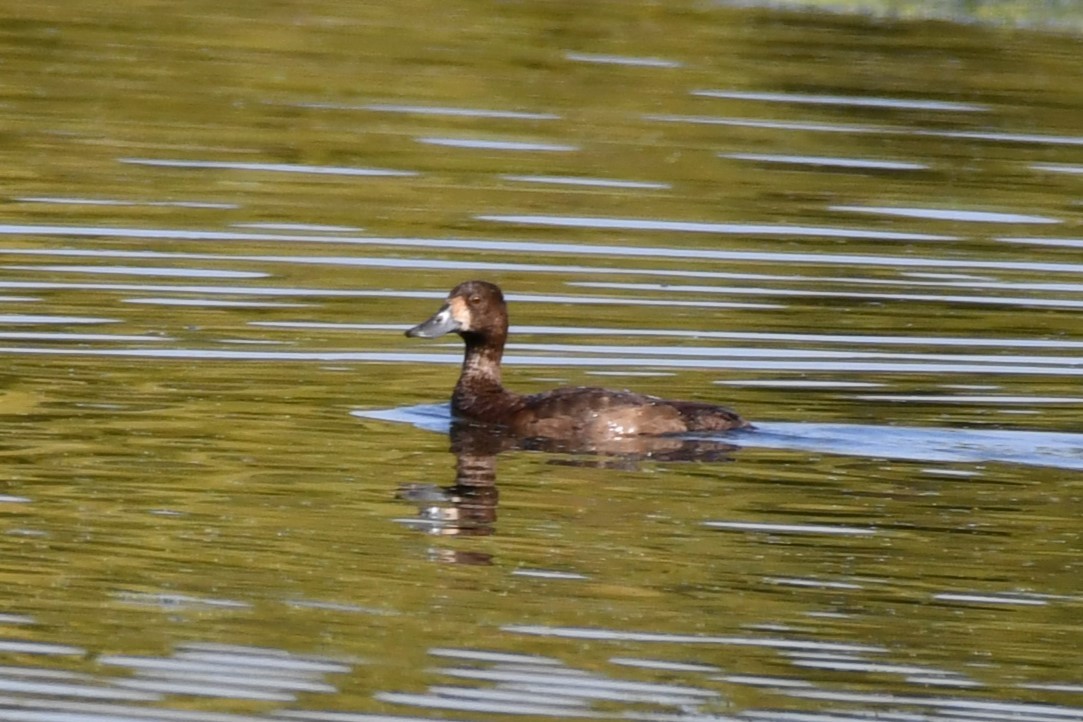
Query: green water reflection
206	268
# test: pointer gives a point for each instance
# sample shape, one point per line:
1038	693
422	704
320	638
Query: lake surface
231	491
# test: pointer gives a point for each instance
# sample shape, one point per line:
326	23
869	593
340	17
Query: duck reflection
468	507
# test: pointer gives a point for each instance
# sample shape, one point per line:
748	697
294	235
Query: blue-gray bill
439	324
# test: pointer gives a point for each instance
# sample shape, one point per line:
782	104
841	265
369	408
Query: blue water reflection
966	446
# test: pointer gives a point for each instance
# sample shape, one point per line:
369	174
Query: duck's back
596	412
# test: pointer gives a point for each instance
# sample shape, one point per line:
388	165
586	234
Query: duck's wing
601	412
596	413
582	400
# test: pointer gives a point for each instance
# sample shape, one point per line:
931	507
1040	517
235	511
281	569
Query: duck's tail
708	417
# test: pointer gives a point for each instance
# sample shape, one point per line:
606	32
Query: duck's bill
440	323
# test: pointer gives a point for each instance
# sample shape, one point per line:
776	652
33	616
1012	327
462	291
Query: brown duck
477	312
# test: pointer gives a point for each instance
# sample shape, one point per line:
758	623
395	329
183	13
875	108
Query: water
232	490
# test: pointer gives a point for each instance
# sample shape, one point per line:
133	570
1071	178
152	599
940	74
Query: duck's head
473	308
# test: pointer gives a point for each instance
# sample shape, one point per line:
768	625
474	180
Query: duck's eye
474	300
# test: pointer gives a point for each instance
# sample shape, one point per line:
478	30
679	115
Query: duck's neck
479	395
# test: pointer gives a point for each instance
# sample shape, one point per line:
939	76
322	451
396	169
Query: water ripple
268	167
479	144
946	214
16	646
826	162
646	224
1031	448
1059	168
41	319
436	110
939	444
517	247
589	182
849	128
972	708
790	292
844	100
617	635
302	227
989	599
622	60
213	303
143	271
116	202
771	528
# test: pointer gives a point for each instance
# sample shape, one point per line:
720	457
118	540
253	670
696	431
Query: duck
478	313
